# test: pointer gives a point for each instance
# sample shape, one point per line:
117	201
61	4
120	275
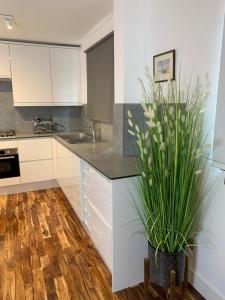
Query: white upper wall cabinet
31	77
5	71
65	72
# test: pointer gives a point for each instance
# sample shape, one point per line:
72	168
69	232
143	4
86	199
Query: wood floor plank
46	254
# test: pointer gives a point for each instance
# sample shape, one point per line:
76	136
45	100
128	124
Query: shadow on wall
7	118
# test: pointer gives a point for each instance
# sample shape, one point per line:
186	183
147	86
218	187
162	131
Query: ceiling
59	21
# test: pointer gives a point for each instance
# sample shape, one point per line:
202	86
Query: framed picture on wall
164	66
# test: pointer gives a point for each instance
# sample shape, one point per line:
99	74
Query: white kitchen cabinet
110	218
36	159
5	71
65	73
31	79
34	171
67	173
8	144
35	149
97	214
101	235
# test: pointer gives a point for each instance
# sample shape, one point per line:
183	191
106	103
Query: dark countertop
99	155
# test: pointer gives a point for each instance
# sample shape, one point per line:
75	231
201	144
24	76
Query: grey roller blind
100	80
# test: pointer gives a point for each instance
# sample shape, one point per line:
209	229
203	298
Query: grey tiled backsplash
69	117
20	118
72	118
124	143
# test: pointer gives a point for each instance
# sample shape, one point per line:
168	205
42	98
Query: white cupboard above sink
5	71
42	75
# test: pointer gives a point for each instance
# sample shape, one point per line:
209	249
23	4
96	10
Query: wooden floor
46	254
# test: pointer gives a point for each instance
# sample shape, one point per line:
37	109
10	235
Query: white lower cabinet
31	149
97	210
67	173
111	221
36	159
33	171
101	234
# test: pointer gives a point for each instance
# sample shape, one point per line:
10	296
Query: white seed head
198	172
183	118
129	114
202	111
131	132
171	110
151	124
159	127
154	105
130	123
137	128
145	151
146	135
151	112
165	119
162	146
198	153
149	161
161	138
155	138
147	115
143	174
150	182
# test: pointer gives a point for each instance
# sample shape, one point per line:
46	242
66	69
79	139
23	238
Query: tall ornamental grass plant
170	156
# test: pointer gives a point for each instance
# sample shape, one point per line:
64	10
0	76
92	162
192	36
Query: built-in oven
9	163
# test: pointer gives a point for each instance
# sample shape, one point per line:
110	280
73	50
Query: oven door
9	166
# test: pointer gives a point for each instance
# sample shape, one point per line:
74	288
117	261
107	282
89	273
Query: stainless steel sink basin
77	138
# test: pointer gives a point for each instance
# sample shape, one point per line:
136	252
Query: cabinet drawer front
101	235
8	144
33	171
35	149
99	193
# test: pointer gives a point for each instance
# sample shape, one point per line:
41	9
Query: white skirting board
28	187
204	287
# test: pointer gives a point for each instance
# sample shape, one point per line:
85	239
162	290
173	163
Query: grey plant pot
160	266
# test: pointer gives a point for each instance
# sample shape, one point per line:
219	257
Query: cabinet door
99	193
67	173
30	75
101	235
97	211
5	71
35	149
34	171
65	72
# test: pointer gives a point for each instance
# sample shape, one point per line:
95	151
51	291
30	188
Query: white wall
144	28
101	29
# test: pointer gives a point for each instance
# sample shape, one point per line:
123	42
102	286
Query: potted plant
170	150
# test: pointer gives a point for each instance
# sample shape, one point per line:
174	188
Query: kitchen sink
77	138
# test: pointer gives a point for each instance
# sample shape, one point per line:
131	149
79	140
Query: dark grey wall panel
100	81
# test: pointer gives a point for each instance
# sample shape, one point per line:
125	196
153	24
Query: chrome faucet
93	132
